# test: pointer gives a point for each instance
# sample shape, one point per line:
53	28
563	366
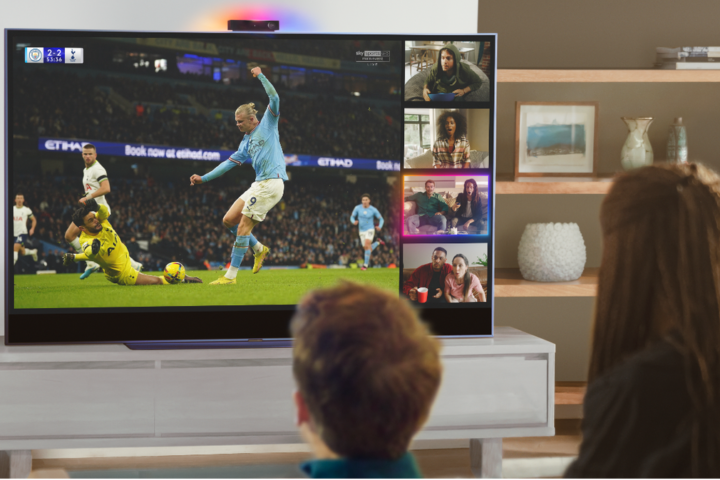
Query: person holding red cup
430	277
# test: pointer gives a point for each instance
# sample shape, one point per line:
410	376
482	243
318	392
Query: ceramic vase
637	151
551	252
677	150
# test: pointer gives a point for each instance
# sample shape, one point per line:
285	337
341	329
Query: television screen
180	187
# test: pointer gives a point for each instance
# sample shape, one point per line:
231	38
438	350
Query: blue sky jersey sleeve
274	107
220	170
354	215
379	217
263	143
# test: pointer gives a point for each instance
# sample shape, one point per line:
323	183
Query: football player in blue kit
261	146
364	216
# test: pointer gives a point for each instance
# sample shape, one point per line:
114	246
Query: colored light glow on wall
291	19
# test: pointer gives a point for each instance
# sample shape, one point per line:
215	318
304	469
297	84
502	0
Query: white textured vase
551	252
637	151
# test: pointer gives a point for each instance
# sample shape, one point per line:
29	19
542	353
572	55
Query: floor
522	457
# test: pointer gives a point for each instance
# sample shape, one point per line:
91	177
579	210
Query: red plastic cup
422	294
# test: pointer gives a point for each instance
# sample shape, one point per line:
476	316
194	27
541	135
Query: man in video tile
430	210
451	75
431	276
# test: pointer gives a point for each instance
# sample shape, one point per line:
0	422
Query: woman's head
460	265
471	192
661	262
470	187
451	124
460	269
660	274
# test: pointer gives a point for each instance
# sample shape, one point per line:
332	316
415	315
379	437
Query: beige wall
479	126
595	34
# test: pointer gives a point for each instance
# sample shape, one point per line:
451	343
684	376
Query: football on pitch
174	272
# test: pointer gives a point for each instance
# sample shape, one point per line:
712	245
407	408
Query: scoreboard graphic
53	55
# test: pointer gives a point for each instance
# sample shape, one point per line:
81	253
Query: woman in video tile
462	286
467	212
451	149
450	75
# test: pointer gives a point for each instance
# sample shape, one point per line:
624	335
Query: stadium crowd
65	105
336	49
310	226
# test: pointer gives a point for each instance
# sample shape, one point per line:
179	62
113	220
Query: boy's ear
302	414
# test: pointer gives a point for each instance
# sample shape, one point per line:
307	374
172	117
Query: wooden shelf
570	393
505	184
509	283
603	76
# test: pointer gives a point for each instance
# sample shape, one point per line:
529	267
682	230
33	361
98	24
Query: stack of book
688	58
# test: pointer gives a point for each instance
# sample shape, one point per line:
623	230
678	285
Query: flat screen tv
262	165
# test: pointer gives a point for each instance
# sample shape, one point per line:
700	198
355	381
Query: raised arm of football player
274	106
103	190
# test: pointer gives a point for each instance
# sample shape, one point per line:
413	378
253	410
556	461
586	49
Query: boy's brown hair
366	367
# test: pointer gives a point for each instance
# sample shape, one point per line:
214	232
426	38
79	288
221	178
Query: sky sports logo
66	56
372	56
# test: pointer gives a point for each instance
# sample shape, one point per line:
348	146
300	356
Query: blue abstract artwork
544	140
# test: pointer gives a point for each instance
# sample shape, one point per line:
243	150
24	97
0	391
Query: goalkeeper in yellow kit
102	245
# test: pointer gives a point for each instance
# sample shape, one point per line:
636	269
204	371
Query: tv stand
106	396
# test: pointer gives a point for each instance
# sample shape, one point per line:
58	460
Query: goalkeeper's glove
95	246
68	259
91	205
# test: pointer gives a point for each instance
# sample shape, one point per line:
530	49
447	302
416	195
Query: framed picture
556	139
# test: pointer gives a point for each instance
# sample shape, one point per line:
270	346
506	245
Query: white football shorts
367	235
261	197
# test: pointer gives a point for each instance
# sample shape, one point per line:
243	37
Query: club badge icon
35	55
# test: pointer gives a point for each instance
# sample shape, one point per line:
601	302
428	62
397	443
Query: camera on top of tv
253	25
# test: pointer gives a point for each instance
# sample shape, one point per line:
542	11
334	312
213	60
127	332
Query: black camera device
253	25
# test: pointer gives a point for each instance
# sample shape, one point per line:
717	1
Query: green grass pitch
267	287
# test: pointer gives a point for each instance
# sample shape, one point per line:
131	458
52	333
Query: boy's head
367	370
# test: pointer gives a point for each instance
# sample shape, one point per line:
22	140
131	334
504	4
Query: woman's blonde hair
247	109
660	279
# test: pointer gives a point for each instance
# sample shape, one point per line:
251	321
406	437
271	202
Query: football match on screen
149	172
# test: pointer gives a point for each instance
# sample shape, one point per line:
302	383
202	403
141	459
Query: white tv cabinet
94	396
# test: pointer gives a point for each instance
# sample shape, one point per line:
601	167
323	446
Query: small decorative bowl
551	252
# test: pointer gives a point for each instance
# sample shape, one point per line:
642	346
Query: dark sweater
637	420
